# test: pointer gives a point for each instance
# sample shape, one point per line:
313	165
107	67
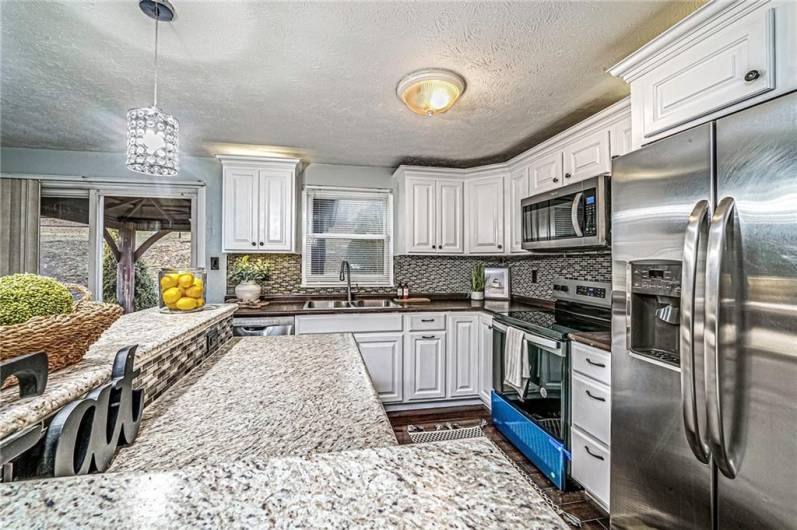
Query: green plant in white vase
477	282
246	273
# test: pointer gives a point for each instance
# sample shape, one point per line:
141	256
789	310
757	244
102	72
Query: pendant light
152	146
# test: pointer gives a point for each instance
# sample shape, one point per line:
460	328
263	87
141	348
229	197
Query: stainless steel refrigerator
704	324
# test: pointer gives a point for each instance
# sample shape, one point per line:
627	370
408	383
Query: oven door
570	217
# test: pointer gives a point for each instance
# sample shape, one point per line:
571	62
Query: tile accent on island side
454	484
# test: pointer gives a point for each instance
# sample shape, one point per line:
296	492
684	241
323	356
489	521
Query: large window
355	225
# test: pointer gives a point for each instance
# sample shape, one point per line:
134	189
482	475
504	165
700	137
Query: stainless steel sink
343	304
326	304
373	304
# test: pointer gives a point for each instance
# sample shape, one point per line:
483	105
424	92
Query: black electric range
557	322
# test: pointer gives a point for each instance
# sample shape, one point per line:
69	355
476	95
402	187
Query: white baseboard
433	404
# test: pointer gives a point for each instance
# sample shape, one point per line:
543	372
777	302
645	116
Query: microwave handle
574	214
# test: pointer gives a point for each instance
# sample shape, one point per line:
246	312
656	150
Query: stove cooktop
560	321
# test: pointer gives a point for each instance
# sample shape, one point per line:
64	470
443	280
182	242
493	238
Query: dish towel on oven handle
516	361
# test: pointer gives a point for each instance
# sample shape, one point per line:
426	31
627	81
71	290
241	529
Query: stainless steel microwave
572	217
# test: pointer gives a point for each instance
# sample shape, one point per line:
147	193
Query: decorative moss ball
24	296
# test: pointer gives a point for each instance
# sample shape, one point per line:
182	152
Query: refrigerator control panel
661	279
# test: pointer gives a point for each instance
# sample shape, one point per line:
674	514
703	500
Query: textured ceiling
317	77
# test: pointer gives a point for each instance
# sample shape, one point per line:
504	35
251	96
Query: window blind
347	224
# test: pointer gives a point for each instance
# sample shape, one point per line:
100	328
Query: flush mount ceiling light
430	91
152	147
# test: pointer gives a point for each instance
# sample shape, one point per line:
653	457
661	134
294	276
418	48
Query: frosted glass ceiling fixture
152	147
430	91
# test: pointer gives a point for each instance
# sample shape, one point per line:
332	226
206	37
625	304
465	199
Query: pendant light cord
155	95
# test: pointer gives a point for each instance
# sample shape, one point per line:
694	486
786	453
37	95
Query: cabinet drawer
592	407
710	74
425	322
592	362
591	465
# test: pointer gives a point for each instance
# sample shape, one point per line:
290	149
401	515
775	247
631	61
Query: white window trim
388	237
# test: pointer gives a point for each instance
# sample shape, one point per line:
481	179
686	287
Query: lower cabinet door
425	365
591	465
463	355
485	359
383	356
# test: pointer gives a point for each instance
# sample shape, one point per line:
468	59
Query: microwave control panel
590	213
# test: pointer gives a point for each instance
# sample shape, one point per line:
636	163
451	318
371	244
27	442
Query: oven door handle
554	346
574	214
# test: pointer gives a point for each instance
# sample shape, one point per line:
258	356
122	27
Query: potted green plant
477	282
246	273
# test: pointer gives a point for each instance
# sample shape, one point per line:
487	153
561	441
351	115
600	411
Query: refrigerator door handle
698	220
716	242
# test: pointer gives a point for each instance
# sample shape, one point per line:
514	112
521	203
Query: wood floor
574	501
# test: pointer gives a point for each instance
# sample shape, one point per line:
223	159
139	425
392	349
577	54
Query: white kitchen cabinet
348	323
434	215
519	189
587	157
620	137
485	197
485	359
259	204
545	172
591	465
722	58
462	355
383	357
240	205
425	366
592	406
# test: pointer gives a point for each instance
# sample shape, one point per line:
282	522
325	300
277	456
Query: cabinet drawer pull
427	320
596	398
254	244
593	455
428	336
593	363
752	75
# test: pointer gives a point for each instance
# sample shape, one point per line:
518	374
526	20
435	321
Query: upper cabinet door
450	221
486	215
731	64
240	217
620	138
545	172
519	189
276	210
587	157
421	216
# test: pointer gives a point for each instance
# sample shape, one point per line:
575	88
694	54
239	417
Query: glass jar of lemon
181	290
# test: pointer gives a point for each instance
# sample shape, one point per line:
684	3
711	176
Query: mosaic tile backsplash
449	274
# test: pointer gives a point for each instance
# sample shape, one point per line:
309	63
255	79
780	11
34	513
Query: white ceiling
319	77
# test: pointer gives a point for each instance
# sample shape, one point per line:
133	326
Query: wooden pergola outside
129	215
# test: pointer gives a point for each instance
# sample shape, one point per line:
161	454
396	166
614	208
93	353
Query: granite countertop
282	307
263	397
151	330
597	339
455	484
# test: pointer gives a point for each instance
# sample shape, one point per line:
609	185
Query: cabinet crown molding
705	20
260	160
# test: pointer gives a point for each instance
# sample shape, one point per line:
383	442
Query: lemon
186	304
198	282
168	282
173	307
171	295
186	280
200	302
194	292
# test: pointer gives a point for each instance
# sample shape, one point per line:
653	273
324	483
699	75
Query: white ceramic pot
477	295
247	291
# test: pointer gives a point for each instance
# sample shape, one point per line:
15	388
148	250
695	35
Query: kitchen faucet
345	273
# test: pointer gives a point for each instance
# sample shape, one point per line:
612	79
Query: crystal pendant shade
152	145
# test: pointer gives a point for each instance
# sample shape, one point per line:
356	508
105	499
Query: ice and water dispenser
655	301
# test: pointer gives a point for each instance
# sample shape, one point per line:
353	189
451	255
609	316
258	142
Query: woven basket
64	338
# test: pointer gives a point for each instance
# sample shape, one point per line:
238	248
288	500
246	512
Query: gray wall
194	170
